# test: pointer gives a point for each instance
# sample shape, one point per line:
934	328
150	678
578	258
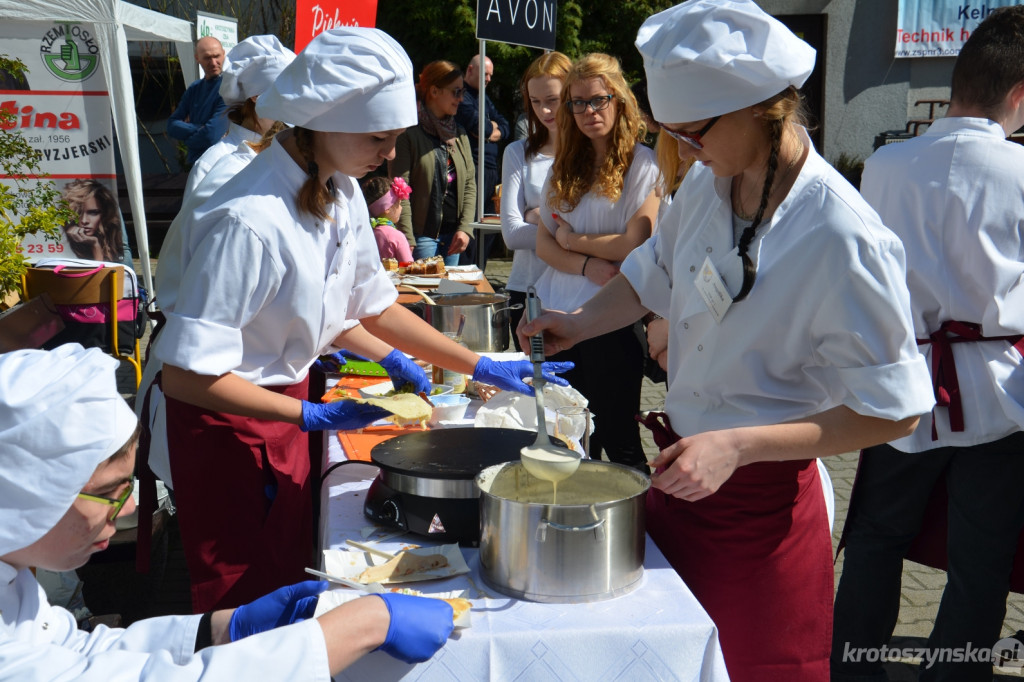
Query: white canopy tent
114	24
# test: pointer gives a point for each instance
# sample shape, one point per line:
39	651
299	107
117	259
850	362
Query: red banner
313	17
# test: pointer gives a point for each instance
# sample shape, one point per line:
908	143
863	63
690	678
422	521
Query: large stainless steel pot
486	329
587	547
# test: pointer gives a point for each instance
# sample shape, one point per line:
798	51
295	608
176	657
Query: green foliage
850	167
27	206
446	29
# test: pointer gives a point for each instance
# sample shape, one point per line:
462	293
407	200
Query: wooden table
406	297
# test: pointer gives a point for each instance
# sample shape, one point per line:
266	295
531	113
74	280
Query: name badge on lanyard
712	289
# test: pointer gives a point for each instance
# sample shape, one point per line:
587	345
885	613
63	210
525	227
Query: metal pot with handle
486	319
587	547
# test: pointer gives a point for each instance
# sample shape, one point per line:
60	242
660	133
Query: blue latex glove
284	606
509	375
419	626
404	371
343	415
330	363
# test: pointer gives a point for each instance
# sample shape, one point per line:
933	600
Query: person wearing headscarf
67	451
249	69
275	265
434	158
790	335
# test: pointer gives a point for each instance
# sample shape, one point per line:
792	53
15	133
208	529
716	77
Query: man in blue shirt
199	120
496	128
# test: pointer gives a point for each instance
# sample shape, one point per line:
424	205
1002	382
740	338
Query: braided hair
779	110
314	196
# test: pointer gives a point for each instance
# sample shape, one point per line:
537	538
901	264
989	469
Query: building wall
867	91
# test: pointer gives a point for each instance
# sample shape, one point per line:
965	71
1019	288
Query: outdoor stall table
658	631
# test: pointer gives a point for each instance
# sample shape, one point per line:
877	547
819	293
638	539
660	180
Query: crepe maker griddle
427	479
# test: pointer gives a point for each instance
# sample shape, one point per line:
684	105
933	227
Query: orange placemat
357	444
352	384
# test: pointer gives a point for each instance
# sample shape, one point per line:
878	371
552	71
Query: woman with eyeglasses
524	169
790	335
435	159
599	204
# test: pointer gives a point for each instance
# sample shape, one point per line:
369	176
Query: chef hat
348	80
61	416
705	58
251	66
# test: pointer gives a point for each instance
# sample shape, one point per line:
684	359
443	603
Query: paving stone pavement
922	586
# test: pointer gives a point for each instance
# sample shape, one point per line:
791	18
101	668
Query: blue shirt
199	120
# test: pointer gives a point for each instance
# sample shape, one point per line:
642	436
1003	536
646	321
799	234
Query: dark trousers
986	513
516	298
492	176
609	374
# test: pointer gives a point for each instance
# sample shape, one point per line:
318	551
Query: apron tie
945	384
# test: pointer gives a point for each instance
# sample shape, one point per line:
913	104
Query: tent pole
481	139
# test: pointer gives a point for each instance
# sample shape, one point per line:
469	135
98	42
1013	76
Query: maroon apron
242	489
757	554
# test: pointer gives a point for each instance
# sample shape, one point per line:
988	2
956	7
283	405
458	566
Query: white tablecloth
657	632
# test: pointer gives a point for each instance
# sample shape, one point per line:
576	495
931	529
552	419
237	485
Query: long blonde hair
573	174
550	65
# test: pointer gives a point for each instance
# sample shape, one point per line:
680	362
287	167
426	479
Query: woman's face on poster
89	217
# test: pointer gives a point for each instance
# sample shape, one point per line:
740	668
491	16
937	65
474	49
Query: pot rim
643	481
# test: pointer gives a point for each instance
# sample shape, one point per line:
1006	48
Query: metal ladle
544	460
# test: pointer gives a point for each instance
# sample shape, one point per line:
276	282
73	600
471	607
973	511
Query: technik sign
939	28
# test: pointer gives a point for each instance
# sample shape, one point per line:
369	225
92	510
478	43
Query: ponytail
314	196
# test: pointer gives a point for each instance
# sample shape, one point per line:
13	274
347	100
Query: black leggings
609	374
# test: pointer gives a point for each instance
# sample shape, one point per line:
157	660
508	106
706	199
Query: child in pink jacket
384	199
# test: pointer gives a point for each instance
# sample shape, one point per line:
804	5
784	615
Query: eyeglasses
457	92
692	139
117	504
579	106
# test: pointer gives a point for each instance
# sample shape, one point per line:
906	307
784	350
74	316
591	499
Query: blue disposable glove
419	626
404	371
509	375
284	606
330	363
342	415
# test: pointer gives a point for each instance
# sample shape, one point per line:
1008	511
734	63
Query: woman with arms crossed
805	350
599	204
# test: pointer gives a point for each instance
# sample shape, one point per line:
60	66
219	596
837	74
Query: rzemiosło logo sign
70	52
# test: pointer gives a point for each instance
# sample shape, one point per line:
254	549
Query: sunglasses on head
692	139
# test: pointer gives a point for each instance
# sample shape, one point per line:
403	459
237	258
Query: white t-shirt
522	181
955	196
827	322
235	136
596	215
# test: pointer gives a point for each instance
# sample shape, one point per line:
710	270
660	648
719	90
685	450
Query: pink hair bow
400	188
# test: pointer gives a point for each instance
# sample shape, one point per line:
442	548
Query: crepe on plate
405	408
403	564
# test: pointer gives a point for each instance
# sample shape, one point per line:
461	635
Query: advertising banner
63	111
517	22
224	29
939	28
313	17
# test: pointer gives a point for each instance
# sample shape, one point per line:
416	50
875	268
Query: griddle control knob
389	511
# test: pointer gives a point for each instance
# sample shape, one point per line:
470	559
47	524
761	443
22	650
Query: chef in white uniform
249	69
955	196
67	450
274	265
807	352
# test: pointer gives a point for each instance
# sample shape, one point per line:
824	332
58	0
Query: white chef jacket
42	643
266	287
955	196
522	181
595	215
826	324
235	136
